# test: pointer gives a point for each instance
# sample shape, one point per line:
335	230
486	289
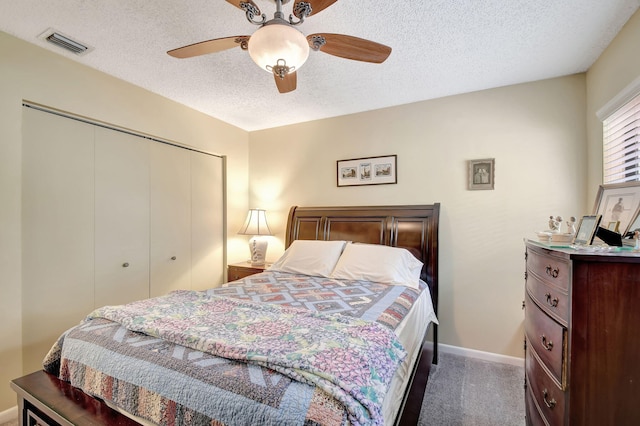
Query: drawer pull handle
553	272
173	258
551	403
125	265
547	345
552	302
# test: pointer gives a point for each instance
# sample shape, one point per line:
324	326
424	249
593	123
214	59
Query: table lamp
256	225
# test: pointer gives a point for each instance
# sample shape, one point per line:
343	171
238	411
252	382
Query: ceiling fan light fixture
273	44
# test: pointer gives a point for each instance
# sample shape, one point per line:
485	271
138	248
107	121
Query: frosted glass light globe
278	41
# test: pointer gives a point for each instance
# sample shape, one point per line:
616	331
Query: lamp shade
256	224
275	42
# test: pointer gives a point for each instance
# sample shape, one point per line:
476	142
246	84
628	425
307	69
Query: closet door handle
173	258
125	265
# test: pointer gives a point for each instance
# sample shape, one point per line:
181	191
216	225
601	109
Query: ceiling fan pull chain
252	11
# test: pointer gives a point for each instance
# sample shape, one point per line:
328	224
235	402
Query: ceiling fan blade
317	6
288	83
350	47
209	46
236	3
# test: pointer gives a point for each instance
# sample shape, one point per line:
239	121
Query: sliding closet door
122	217
207	221
170	219
108	218
57	229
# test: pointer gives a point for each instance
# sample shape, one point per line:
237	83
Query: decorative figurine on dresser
554	234
582	336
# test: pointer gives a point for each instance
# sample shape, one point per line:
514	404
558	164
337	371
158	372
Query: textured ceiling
440	48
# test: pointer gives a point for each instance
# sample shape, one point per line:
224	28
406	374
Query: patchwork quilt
273	348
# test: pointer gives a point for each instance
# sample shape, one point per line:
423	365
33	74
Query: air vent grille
65	42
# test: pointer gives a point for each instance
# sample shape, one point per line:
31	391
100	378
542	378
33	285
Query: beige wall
617	67
547	142
535	132
31	73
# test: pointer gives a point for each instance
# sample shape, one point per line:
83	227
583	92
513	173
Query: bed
127	367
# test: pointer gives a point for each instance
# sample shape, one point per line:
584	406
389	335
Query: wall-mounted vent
55	37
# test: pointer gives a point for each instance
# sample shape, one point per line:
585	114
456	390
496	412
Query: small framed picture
481	174
587	229
614	226
367	171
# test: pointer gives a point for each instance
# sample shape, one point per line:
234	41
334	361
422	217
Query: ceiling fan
281	49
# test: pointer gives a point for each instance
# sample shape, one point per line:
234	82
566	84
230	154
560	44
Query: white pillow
378	263
310	257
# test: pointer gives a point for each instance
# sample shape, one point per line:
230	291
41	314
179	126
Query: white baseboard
486	356
9	415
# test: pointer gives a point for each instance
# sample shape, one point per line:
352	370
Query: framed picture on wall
618	202
367	171
481	173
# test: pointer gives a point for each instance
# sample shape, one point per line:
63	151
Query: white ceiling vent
56	37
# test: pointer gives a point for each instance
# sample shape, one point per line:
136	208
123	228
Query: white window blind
621	144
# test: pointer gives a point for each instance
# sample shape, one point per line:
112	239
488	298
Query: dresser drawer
547	338
550	299
533	414
550	269
547	396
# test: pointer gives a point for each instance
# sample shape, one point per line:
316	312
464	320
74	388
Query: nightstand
241	270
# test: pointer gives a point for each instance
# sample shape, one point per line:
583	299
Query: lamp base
258	250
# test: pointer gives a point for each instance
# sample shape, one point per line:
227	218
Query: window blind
621	144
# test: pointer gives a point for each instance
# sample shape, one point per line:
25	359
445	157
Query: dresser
582	337
237	271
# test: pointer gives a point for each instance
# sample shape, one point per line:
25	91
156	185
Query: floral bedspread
170	383
350	359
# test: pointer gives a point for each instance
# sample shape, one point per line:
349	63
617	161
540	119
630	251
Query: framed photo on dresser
618	202
587	229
